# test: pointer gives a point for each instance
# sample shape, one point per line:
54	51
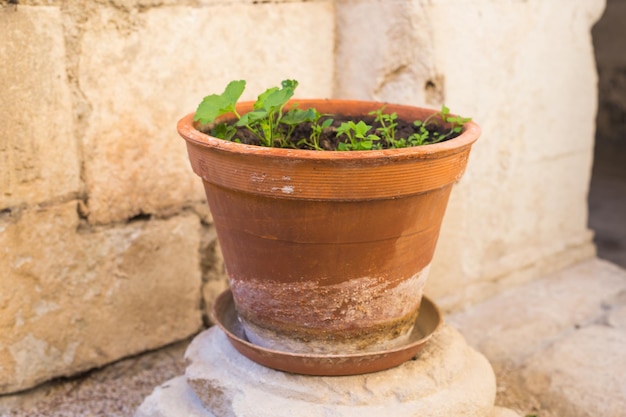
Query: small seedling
274	126
387	130
358	139
424	135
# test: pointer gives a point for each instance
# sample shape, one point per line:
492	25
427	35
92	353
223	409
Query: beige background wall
106	246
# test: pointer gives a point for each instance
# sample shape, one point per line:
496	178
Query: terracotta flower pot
328	251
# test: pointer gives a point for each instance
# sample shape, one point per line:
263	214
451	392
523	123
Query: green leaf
345	128
360	129
326	123
252	117
297	116
289	84
224	131
274	98
233	91
277	99
214	105
261	99
365	145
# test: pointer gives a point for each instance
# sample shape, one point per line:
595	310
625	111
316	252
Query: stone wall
525	71
106	246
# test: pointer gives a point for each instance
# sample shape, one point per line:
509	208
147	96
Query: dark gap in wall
139	217
607	194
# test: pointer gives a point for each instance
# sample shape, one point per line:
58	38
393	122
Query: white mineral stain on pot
257	177
368	299
286	189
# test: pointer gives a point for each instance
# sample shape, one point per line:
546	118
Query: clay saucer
225	315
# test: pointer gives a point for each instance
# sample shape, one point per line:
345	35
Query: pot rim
470	133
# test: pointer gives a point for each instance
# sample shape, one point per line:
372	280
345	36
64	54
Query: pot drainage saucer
427	322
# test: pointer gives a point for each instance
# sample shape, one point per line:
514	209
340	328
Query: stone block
39	157
504	412
557	344
393	60
171	399
581	375
175	398
75	298
519	322
506	221
447	378
135	162
617	317
504	240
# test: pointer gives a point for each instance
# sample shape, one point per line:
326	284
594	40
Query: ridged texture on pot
318	245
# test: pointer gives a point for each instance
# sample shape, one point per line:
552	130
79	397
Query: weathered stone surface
139	90
505	223
175	398
535	314
556	344
522	134
504	412
75	299
39	159
582	375
448	378
400	37
171	399
617	317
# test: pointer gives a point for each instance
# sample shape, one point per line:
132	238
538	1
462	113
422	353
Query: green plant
272	125
388	123
357	135
454	123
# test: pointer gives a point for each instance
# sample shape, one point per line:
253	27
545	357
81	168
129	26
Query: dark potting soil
329	140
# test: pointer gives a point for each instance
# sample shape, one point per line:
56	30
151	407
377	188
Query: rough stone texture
617	317
531	144
504	412
88	106
448	378
556	344
541	311
582	374
38	153
75	299
520	209
135	144
171	399
400	37
113	391
175	398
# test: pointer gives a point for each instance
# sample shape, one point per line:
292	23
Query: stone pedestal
448	378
